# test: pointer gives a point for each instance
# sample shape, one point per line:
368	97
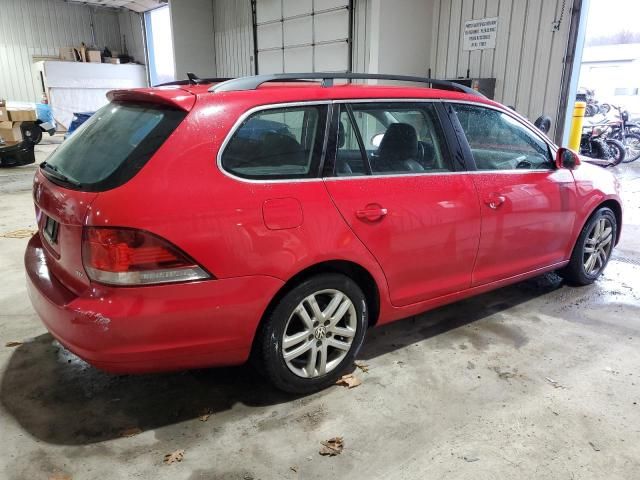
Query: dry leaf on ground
13	344
349	380
332	447
205	414
176	456
22	233
362	366
130	432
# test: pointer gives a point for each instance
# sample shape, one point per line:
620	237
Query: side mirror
566	158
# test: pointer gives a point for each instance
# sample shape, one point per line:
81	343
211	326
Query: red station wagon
273	217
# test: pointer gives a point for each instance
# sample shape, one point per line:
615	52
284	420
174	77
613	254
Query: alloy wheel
598	247
319	333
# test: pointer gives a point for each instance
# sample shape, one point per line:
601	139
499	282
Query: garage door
303	35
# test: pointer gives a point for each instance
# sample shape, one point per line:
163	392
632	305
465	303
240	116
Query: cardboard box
94	56
4	115
10	131
69	54
22	114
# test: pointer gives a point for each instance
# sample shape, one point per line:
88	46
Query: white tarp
82	87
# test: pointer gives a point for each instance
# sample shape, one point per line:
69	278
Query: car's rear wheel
313	334
593	248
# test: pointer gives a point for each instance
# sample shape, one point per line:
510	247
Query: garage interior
536	380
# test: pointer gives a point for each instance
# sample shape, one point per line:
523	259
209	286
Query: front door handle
494	200
371	213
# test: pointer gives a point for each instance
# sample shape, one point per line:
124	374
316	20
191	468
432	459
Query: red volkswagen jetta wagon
275	217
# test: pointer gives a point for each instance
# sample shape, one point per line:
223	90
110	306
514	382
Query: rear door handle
494	200
371	213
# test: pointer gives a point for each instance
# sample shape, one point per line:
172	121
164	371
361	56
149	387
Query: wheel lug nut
318	343
328	334
310	337
315	324
326	323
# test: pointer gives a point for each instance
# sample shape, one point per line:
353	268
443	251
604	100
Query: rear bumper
151	328
17	154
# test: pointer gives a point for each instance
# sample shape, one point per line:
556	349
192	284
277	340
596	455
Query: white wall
193	37
399	36
31	28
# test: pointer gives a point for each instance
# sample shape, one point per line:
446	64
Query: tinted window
277	143
500	142
113	145
396	138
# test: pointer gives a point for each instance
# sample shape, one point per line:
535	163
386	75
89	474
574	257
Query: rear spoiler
170	97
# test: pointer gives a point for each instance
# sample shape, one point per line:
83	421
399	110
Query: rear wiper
53	172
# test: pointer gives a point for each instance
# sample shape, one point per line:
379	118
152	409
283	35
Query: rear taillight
123	256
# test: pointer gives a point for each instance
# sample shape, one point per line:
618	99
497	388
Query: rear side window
277	143
112	146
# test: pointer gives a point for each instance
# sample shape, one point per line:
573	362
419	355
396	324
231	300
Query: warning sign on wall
480	34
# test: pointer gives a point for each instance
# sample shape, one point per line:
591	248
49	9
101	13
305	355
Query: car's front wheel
313	334
593	248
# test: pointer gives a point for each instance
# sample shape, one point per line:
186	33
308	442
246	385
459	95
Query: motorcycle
595	144
628	133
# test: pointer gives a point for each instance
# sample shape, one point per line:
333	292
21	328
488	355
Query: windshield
112	146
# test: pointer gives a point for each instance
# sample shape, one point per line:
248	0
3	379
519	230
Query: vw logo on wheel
320	333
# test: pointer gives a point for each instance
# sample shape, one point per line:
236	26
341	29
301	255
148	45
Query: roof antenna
193	78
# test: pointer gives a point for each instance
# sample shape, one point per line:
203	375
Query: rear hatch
103	154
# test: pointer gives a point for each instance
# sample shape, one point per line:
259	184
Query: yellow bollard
576	126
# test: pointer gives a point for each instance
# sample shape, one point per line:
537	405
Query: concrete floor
537	380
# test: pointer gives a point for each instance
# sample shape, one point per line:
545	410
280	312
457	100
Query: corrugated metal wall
528	58
233	37
132	32
31	28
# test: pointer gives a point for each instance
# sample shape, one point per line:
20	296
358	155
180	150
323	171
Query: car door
396	184
527	205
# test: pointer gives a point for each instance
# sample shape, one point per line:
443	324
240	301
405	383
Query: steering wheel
524	165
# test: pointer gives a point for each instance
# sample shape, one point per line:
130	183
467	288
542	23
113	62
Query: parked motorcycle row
610	136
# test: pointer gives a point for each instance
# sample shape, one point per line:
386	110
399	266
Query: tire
632	147
31	132
543	123
579	271
308	333
616	150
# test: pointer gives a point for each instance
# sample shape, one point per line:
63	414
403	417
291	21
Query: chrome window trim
247	114
273	106
431	174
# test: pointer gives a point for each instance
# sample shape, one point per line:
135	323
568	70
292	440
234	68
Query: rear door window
112	146
390	139
277	143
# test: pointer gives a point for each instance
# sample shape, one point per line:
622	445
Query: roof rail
194	81
253	82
